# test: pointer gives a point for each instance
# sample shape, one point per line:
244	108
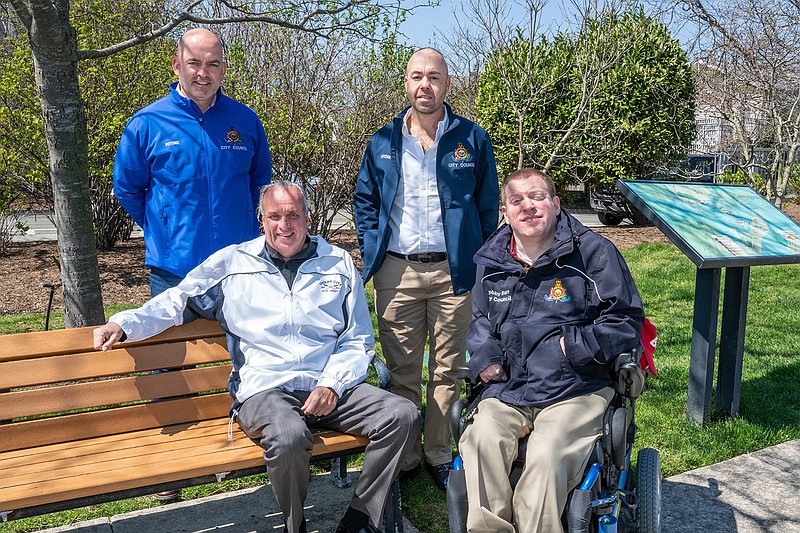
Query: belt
426	257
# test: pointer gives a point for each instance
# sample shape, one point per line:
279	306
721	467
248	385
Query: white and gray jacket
318	333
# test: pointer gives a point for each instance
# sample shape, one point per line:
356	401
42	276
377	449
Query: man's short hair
525	173
285	185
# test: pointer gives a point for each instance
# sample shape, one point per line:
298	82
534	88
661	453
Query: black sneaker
440	474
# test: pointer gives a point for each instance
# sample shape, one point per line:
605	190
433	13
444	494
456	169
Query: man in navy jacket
425	200
553	305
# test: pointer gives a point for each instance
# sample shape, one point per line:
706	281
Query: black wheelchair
610	498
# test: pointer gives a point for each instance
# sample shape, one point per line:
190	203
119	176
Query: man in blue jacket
425	200
189	166
553	305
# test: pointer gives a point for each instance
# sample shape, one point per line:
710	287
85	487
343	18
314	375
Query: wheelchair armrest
473	388
629	378
384	377
456	422
459	409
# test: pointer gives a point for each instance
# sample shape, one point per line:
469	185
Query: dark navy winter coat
467	182
580	289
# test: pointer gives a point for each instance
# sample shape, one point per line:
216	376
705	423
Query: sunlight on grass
665	278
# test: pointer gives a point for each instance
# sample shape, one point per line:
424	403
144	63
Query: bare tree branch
22	11
748	75
328	20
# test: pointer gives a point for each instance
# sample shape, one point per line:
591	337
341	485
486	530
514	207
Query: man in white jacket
301	340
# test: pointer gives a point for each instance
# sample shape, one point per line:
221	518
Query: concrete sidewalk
752	493
251	510
755	492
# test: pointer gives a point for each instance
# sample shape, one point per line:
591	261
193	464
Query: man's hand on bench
320	402
106	336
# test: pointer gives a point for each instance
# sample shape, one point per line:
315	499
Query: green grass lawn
770	396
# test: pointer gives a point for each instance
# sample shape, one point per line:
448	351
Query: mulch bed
124	279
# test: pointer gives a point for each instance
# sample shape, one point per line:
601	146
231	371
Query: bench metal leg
394	512
341	477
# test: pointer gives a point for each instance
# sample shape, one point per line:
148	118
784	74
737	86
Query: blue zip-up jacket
467	182
580	289
191	179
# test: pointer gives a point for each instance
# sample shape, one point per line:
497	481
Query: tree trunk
55	55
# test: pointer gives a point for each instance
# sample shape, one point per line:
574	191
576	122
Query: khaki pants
415	302
559	446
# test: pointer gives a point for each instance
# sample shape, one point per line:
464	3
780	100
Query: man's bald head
199	65
427	82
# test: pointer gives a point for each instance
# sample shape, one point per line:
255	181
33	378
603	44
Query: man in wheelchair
553	305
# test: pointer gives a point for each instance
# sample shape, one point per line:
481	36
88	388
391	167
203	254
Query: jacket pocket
548	369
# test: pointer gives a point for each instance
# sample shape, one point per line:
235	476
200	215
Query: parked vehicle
612	207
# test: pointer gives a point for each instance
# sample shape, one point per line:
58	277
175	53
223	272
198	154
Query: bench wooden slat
115	446
120	441
32	372
79	426
325	441
94	481
42	456
59	342
155	461
147	460
158	459
71	397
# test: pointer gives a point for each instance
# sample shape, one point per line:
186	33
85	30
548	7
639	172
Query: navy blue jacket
580	289
467	182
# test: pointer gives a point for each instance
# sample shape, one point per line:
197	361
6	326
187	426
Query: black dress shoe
407	475
440	474
369	528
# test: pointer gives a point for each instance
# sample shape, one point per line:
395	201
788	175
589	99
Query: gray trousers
273	419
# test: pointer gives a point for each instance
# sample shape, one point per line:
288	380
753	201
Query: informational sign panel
717	225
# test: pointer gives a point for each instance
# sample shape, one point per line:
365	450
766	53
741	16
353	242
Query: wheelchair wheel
648	490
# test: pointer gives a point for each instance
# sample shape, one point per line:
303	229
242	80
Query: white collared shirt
416	215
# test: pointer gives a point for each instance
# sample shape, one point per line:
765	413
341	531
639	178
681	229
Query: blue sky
425	26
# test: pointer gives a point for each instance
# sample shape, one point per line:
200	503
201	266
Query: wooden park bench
80	427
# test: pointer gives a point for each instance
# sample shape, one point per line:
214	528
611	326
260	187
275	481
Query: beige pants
414	303
560	442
